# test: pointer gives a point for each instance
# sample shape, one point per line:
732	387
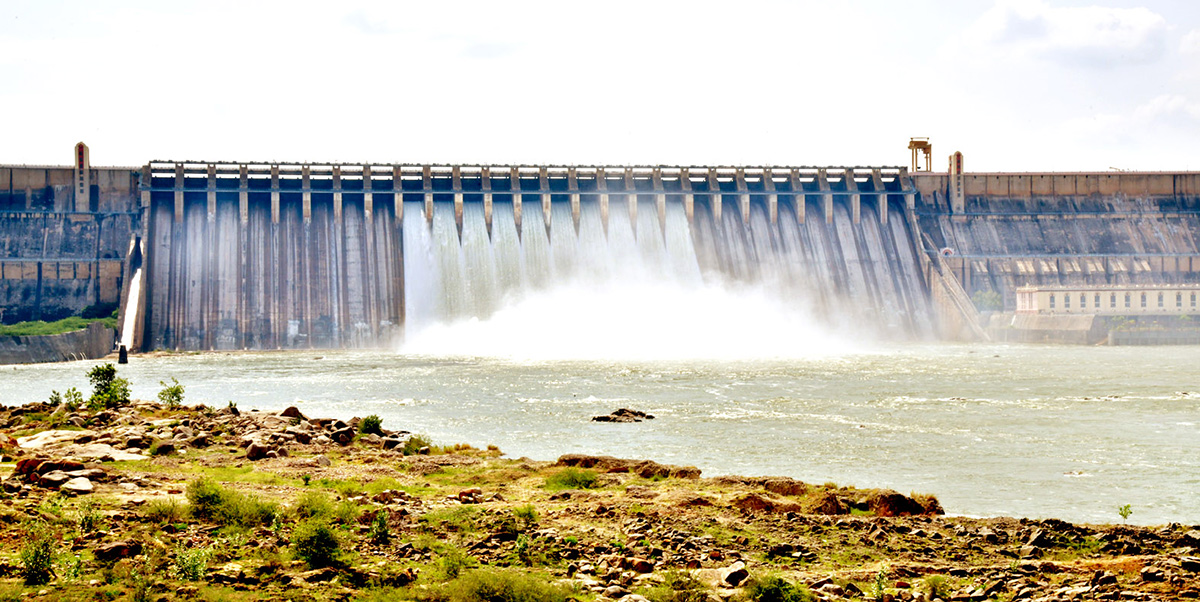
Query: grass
40	328
494	585
571	478
459	518
210	501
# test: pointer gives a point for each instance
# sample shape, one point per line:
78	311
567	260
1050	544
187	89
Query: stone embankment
190	502
93	342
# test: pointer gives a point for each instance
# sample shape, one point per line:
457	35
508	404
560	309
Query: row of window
1112	300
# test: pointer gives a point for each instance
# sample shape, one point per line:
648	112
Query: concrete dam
221	255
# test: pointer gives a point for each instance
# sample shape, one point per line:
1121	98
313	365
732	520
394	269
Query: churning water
760	350
1037	431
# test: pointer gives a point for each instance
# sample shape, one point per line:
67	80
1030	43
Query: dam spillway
244	256
273	255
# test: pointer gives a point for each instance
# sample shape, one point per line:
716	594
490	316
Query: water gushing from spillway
649	289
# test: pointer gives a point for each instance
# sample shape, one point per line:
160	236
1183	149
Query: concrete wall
93	342
37	188
217	282
1170	190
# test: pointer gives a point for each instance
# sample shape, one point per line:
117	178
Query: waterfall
131	309
641	286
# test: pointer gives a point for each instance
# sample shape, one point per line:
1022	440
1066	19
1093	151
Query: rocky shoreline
147	502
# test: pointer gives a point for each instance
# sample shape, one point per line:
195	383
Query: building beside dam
231	255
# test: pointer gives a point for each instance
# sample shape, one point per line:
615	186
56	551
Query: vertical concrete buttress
714	195
427	186
306	193
826	195
544	185
660	200
514	175
743	195
275	194
798	197
243	194
855	198
772	198
398	194
337	194
602	188
631	199
212	192
368	196
573	190
456	186
179	193
881	197
485	176
689	199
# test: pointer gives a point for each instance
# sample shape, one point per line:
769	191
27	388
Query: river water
1032	431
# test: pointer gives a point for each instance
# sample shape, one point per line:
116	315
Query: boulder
735	574
50	438
164	448
117	550
257	451
292	412
343	436
641	565
886	502
53	479
757	502
623	415
77	486
322	461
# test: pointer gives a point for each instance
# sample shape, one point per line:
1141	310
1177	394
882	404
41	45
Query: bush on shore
208	500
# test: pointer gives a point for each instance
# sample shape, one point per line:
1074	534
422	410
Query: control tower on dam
245	255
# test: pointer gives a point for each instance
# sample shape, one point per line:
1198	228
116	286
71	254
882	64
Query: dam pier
237	255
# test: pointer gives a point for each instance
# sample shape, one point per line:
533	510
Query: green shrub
108	391
453	562
491	585
987	300
316	543
677	586
210	501
572	478
164	511
171	395
87	517
776	589
414	444
455	518
190	563
312	504
371	425
527	514
37	557
379	533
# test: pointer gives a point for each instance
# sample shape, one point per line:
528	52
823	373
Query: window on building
1082	301
1178	299
1128	298
1193	299
1096	301
1112	300
1160	300
1143	300
1051	301
1067	301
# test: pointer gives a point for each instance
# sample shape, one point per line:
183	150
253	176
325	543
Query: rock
615	591
623	415
27	466
1190	563
757	502
164	448
50	438
77	486
641	565
117	550
640	492
201	440
322	461
1190	538
344	436
53	479
292	412
735	574
643	468
256	451
301	437
1152	574
886	502
390	443
92	474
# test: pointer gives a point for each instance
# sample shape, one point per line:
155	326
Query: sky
1016	85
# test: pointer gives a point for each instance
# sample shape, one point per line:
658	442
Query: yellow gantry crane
921	144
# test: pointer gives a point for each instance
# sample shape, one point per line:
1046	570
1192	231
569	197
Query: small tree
1125	512
108	391
171	395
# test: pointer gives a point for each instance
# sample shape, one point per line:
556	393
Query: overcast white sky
1020	85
